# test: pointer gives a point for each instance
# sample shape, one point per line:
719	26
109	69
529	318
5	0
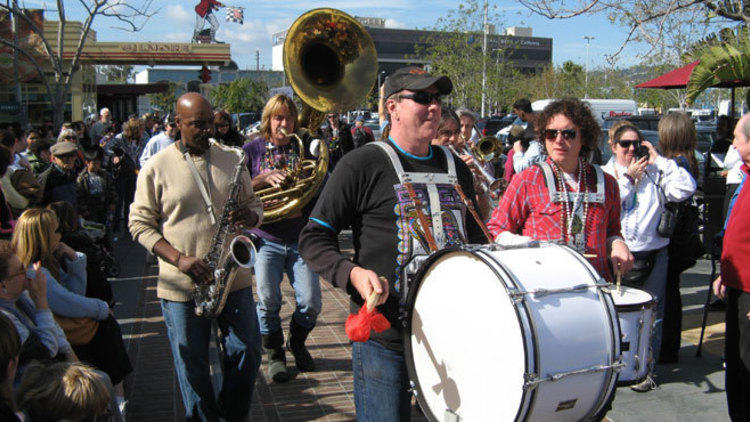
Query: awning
131	89
678	78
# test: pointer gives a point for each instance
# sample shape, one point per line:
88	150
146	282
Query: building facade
399	47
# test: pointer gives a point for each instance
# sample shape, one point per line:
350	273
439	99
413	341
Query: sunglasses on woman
567	134
627	144
422	97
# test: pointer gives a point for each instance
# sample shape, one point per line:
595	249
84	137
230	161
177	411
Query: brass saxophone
210	298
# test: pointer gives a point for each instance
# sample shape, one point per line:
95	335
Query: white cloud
177	14
393	23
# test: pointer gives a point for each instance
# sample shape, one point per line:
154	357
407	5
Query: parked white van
600	107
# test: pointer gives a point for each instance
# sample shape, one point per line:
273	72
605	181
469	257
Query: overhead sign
10	107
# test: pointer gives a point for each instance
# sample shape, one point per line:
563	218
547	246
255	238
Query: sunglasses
449	132
627	144
422	97
567	134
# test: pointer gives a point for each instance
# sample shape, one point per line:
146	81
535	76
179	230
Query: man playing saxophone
180	194
272	158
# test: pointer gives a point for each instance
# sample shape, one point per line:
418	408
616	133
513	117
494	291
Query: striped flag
236	14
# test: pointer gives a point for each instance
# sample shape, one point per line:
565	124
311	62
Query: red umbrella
358	326
678	78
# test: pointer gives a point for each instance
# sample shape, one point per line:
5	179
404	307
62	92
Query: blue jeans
656	284
272	261
380	383
189	337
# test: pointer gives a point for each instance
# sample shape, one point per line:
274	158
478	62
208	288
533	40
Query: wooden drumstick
619	279
374	297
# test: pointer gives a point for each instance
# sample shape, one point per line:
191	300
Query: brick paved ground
695	385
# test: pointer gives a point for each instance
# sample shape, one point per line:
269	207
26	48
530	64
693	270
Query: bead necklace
280	157
572	224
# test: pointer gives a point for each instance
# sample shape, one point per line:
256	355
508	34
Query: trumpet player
449	135
170	217
272	158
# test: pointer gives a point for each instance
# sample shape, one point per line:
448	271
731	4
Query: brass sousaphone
331	64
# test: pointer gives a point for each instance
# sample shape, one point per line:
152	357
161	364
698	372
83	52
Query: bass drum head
463	343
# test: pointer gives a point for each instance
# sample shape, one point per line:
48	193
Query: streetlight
380	74
588	41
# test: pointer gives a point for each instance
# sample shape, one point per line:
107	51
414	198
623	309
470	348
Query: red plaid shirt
525	209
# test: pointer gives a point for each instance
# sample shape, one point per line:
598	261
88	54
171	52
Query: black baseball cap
414	79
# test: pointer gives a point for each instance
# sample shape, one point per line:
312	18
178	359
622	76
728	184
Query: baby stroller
98	233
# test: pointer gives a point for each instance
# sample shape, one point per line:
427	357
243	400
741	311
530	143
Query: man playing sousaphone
390	193
272	157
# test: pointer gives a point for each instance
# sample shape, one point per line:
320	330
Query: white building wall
277	58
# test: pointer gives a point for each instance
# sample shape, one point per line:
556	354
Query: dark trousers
672	324
737	354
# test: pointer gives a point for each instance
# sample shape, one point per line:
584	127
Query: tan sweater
168	204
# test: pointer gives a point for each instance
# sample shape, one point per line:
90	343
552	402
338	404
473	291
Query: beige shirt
168	205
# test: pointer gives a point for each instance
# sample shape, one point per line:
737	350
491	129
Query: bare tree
129	16
663	24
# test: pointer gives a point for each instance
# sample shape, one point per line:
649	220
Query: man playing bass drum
390	192
271	157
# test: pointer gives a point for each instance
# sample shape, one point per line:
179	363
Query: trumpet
492	184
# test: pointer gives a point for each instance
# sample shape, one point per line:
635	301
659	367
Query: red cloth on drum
358	326
525	209
735	265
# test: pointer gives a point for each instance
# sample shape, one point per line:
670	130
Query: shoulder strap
199	181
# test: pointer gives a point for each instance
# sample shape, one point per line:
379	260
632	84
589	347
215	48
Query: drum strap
430	180
557	196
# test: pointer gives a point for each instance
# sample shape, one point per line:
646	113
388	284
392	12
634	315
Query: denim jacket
28	319
65	296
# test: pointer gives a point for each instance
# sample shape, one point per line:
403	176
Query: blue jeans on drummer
656	284
380	383
272	262
189	337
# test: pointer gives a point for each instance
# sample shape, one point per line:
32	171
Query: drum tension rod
545	292
532	380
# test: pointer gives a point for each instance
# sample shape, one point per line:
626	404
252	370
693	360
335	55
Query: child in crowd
40	157
95	187
62	391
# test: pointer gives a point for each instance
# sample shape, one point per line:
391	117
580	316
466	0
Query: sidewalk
691	390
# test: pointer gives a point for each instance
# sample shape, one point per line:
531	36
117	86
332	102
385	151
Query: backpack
360	137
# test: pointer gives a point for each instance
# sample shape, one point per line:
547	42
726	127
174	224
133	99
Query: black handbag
668	217
642	267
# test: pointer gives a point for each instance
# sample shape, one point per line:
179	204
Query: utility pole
257	59
21	108
484	58
588	41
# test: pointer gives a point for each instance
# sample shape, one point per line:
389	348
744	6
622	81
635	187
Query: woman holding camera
647	182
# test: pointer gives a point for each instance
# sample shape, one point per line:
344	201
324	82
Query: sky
174	21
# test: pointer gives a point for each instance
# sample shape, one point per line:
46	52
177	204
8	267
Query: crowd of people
422	188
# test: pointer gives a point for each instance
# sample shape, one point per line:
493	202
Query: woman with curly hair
570	132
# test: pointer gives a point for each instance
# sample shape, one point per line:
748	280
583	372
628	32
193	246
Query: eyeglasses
567	134
12	276
627	144
70	137
449	133
422	97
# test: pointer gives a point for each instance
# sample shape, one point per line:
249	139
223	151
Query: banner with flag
236	14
